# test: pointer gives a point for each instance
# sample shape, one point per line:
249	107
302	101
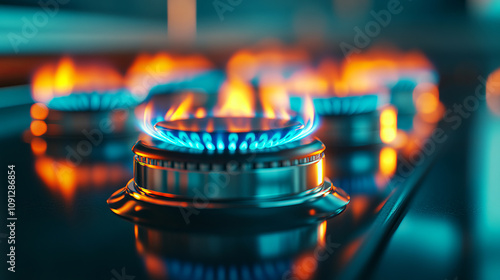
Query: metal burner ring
238	177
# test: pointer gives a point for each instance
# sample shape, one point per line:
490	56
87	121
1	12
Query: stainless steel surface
234	180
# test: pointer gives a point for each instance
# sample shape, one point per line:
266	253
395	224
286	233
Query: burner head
229	133
265	184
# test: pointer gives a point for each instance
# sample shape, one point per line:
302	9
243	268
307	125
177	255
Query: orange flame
236	99
493	92
39	111
388	161
389	66
388	125
269	58
329	78
38	128
274	99
148	70
67	77
237	96
369	72
310	81
427	104
182	110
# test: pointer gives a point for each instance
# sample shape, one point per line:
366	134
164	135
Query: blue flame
94	101
220	141
226	141
346	105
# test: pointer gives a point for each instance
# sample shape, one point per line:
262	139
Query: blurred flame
148	70
309	81
236	99
388	161
261	79
330	78
181	111
426	98
389	66
66	77
268	59
38	128
493	92
427	104
366	73
200	113
39	111
388	125
38	146
274	98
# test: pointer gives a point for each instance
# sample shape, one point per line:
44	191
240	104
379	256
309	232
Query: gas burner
74	98
203	122
361	129
93	101
229	133
332	105
348	105
267	184
69	85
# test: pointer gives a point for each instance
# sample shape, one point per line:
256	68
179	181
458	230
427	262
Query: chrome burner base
178	187
134	204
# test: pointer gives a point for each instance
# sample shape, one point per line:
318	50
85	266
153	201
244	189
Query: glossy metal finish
285	154
264	185
135	204
234	181
331	105
229	176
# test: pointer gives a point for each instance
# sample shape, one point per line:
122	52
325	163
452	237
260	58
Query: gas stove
277	165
